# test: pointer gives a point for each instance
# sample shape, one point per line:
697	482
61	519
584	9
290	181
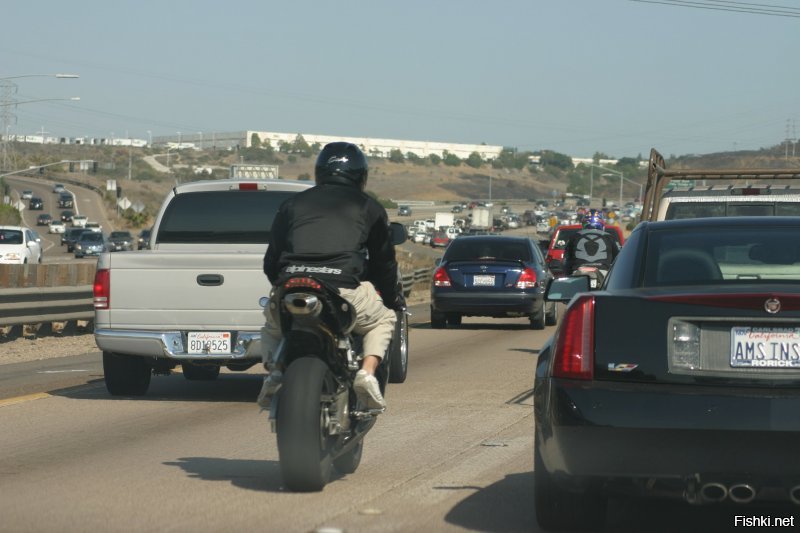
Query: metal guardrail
38	305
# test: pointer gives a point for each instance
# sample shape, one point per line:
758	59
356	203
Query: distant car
58	188
440	239
26	195
79	221
44	219
94	226
143	240
66	215
456	209
419	236
36	204
70	236
403	211
494	276
66	199
120	241
19	246
90	243
56	226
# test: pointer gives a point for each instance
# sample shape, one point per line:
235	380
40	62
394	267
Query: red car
440	238
562	235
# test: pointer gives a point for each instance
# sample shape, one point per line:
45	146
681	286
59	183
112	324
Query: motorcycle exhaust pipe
302	304
742	493
714	492
794	494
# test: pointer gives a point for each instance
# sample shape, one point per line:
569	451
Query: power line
735	7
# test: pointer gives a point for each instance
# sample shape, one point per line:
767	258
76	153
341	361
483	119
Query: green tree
557	160
415	159
598	156
451	160
300	146
474	160
435	159
255	140
396	156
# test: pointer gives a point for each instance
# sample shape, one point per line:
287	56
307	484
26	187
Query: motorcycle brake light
573	355
441	278
310	283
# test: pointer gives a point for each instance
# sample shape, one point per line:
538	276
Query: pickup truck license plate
209	343
765	347
482	280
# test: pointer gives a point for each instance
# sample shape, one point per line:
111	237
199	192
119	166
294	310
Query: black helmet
343	163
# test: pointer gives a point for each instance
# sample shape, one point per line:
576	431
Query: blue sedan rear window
471	249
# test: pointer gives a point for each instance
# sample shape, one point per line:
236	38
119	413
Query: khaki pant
374	321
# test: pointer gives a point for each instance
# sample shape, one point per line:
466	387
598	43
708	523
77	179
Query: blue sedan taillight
441	278
527	279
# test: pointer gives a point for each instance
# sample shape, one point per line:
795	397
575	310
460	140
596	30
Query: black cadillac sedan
681	379
494	276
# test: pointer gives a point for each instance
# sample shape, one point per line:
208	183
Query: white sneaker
368	391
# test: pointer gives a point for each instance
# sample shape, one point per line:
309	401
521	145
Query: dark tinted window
731	209
221	217
470	249
10	236
91	236
722	255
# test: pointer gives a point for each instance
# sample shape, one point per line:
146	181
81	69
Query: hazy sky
575	76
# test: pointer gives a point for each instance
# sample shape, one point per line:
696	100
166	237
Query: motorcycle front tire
304	445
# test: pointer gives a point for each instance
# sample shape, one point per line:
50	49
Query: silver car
90	243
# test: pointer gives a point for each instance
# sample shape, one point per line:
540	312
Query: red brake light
248	186
574	349
102	289
309	283
527	280
441	278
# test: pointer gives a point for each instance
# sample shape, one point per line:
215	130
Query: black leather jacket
336	233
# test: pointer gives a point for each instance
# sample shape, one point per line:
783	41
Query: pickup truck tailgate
165	290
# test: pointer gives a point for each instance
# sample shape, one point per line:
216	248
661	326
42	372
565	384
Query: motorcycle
596	273
319	422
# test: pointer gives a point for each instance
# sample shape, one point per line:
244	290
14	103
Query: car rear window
706	209
471	249
10	236
722	256
221	217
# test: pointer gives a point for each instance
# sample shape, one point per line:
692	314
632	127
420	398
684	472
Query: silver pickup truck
193	298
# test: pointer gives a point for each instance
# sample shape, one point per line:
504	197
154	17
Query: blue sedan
494	276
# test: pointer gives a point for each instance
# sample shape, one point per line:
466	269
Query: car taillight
441	278
527	280
102	289
574	349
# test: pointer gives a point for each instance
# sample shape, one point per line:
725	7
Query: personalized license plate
482	280
765	347
209	343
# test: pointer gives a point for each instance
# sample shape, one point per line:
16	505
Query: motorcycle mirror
398	233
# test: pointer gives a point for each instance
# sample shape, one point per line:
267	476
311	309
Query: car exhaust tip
742	493
714	492
794	494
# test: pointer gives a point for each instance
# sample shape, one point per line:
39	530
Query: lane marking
26	398
61	371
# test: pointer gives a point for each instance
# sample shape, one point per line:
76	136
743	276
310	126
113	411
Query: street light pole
621	178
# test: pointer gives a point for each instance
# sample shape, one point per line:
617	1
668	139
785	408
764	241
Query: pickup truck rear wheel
195	372
126	375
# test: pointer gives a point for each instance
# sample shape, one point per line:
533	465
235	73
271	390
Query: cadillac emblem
772	306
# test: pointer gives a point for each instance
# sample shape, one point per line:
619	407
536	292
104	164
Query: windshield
722	256
221	217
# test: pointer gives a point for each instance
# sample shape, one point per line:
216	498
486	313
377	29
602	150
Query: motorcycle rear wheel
304	445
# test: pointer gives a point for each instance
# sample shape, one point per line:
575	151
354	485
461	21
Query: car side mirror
564	289
398	233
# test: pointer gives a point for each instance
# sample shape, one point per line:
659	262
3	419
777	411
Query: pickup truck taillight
573	355
102	289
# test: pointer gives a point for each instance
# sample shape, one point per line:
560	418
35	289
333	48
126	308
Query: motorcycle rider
592	244
341	234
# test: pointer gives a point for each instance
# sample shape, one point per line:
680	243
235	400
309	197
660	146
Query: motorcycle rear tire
304	445
349	461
